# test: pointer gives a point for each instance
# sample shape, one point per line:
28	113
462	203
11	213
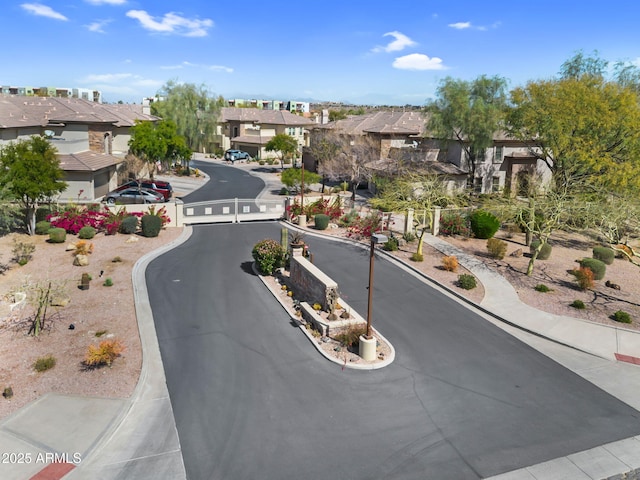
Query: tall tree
470	113
284	146
193	109
325	148
158	142
31	173
583	128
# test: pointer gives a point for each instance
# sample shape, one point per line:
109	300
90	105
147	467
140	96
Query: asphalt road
253	399
224	182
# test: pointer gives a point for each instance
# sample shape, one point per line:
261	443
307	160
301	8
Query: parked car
133	195
159	186
233	155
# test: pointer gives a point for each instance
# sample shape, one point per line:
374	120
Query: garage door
101	184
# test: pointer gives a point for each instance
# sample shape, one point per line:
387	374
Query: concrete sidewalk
136	438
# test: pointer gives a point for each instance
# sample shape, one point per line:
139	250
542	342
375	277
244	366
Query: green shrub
43	364
483	224
87	232
545	252
391	245
151	225
541	287
348	218
467	281
108	282
284	191
622	317
42	227
408	237
598	267
57	235
604	254
268	255
578	304
497	248
321	221
129	225
416	257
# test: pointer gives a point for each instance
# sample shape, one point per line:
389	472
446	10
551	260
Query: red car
159	186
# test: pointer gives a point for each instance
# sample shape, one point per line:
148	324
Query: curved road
253	399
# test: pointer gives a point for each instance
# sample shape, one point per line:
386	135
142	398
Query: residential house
250	129
91	138
400	138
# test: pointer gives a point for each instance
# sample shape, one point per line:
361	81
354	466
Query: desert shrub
598	267
57	235
116	259
348	218
42	227
268	255
545	252
103	354
450	263
365	226
416	257
497	248
22	252
321	221
81	247
350	337
391	245
578	304
408	237
604	254
129	225
43	364
542	288
467	281
151	225
483	224
584	277
161	213
454	224
108	282
87	232
331	208
74	217
284	191
621	316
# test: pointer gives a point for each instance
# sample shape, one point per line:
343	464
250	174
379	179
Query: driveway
253	399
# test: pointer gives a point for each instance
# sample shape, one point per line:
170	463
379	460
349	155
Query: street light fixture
367	342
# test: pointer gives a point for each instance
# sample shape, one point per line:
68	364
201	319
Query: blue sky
356	51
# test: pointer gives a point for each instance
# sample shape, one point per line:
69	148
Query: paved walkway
137	439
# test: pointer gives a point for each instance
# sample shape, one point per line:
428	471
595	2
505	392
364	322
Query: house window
498	152
474	184
495	184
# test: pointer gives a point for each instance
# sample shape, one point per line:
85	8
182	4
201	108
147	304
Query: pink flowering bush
364	227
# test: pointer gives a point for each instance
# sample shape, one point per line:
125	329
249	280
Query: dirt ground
110	310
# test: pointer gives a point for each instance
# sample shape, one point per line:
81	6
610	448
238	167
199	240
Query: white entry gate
234	210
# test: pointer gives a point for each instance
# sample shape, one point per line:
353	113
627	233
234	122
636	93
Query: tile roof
386	122
20	111
273	117
87	161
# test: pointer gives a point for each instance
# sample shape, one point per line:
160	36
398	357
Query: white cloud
172	23
98	26
43	11
106	2
460	25
418	61
215	68
400	42
121	83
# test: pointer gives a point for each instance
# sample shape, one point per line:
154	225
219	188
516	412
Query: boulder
81	260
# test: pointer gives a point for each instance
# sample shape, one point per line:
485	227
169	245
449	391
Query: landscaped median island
312	300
